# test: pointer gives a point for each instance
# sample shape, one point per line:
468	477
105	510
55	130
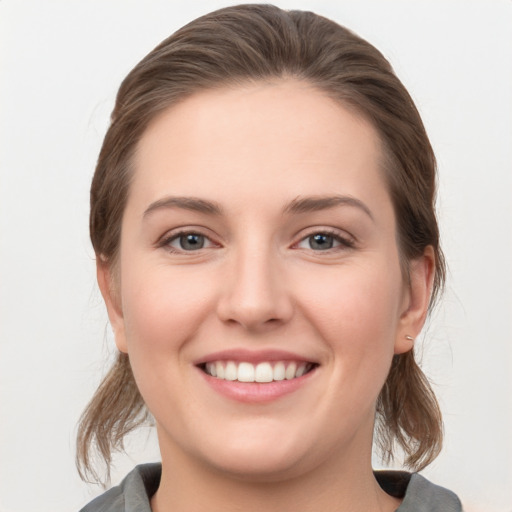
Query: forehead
285	135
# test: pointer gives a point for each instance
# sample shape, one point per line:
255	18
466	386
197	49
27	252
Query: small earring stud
409	338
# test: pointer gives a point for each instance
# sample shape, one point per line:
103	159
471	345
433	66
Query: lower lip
256	392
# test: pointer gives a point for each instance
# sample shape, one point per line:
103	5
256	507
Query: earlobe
108	285
421	278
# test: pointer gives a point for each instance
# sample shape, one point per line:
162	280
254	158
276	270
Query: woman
263	218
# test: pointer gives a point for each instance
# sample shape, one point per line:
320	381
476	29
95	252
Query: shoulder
418	493
132	494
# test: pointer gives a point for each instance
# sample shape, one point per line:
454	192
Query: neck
345	484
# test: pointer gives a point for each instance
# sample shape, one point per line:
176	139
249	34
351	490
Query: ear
416	300
109	288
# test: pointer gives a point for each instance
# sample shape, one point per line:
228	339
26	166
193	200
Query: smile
262	372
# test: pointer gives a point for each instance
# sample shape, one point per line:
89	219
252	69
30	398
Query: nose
255	294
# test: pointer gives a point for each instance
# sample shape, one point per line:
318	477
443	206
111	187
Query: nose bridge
255	293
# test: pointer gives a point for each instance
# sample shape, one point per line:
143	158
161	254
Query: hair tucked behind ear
253	43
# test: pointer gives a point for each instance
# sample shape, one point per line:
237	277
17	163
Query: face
260	296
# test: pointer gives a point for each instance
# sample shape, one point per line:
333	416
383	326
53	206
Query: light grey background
61	63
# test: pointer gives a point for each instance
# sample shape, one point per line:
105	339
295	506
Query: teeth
301	370
211	368
279	371
219	367
262	372
246	372
231	371
290	371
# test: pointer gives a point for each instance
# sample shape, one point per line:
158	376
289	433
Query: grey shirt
418	494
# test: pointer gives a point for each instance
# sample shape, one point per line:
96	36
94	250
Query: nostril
254	296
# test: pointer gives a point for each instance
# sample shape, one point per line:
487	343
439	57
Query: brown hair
257	42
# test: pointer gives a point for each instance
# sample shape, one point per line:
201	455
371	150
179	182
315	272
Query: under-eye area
260	372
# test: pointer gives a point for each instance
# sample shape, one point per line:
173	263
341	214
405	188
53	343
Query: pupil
321	242
191	242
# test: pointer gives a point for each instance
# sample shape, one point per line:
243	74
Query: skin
258	283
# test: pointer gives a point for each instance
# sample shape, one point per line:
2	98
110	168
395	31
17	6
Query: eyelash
344	242
165	242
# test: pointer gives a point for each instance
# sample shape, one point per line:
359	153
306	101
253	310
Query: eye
323	241
187	242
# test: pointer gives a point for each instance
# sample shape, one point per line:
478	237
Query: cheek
163	307
356	314
354	304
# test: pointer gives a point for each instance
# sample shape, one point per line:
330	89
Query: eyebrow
296	206
318	203
185	203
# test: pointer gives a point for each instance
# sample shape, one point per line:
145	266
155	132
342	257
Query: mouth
262	372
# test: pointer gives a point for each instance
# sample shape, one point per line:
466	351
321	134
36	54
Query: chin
259	467
261	457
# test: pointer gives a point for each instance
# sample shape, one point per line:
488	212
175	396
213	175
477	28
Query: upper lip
254	356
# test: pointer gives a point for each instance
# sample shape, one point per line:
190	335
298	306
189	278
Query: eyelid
346	240
173	234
